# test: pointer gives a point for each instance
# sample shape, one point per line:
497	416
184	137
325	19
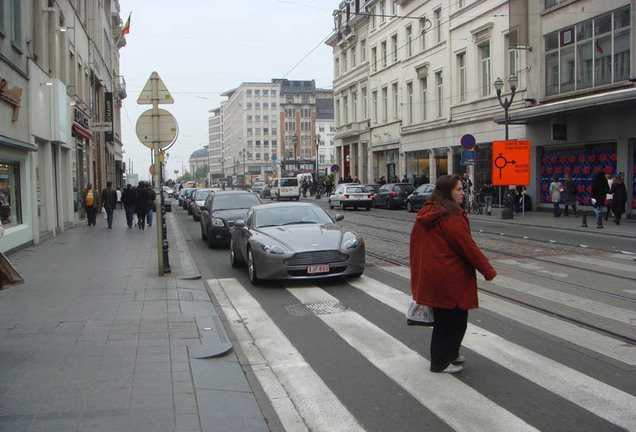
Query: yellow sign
511	163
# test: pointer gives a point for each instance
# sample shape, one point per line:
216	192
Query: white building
60	75
412	77
215	136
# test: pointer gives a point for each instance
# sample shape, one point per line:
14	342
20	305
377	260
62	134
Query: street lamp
513	81
317	145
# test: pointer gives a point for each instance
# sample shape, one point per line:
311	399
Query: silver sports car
294	241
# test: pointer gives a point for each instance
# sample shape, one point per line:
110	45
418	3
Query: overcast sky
202	48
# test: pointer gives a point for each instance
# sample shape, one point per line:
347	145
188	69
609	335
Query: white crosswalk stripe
572	333
307	392
605	401
300	397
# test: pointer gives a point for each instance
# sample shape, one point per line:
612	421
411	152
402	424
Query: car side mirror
339	217
240	223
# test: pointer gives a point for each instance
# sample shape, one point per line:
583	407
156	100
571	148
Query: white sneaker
452	369
459	360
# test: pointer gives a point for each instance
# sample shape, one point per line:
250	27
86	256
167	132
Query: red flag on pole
126	28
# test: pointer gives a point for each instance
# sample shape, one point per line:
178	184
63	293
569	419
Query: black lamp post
513	81
317	157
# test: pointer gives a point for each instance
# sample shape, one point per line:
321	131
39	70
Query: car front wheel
409	207
204	235
251	268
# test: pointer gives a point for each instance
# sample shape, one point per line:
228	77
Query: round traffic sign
335	168
273	156
167	132
468	142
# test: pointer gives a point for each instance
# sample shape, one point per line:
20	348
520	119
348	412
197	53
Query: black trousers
448	332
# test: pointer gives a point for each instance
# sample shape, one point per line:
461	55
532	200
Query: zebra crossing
303	401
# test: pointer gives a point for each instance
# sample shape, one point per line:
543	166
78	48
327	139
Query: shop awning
570	105
17	144
82	131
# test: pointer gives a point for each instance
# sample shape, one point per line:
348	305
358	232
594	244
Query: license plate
322	268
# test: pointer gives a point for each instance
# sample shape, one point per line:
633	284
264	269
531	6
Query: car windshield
356	189
289	215
235	201
202	194
406	188
422	188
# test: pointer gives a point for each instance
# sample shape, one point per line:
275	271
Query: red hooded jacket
443	259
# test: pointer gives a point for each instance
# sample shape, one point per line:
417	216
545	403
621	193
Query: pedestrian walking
571	199
608	197
91	204
119	194
129	200
489	194
443	259
142	205
152	196
619	198
555	194
466	185
109	201
600	189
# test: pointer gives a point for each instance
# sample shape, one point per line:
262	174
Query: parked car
392	195
167	201
198	199
257	186
419	196
183	197
219	212
266	192
351	196
294	241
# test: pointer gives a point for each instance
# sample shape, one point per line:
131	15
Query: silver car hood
306	237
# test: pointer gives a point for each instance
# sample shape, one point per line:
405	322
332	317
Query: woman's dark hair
443	193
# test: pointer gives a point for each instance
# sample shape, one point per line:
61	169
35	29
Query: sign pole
157	148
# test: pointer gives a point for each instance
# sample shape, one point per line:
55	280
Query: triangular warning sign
155	89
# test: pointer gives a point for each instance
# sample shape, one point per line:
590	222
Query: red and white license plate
322	268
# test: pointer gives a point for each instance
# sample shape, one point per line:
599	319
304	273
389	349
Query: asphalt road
531	365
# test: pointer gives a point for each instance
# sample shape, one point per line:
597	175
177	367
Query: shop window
10	198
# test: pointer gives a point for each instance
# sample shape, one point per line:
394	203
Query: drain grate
317	308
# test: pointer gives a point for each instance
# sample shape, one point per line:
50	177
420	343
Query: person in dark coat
619	199
109	201
142	205
443	259
570	194
600	188
129	200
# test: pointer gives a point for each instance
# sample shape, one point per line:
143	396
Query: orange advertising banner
511	163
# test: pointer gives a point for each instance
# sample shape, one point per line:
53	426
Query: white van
285	188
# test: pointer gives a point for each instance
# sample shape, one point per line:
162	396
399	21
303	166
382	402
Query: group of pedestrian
137	201
606	192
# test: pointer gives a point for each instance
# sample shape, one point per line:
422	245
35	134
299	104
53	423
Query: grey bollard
584	220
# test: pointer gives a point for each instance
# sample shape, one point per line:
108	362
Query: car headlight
273	249
352	243
217	222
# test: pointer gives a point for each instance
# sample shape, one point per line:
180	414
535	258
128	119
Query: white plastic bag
104	213
420	313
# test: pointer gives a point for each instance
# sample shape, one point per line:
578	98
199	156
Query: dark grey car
420	195
219	212
392	195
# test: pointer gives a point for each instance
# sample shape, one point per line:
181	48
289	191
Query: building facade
59	124
412	77
215	132
269	127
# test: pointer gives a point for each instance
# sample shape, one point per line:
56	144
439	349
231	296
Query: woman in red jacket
443	258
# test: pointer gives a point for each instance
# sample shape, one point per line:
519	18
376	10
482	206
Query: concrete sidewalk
95	340
627	227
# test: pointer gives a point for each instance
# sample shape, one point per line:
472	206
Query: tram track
551	251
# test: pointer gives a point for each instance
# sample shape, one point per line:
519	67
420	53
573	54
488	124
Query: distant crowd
138	203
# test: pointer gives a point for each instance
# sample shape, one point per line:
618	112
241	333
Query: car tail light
346	196
394	193
370	196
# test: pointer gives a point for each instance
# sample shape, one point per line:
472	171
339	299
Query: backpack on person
90	198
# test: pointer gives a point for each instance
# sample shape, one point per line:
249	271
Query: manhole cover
318	308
